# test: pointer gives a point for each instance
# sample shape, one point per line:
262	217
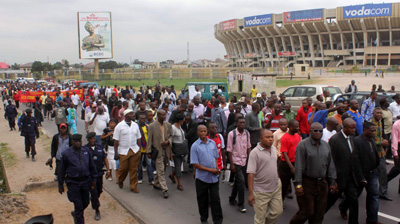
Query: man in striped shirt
272	119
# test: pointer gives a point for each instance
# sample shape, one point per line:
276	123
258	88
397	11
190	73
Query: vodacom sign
369	10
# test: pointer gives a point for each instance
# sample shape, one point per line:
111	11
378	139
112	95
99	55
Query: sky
150	30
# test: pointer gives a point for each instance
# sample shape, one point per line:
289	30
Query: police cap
91	135
28	111
76	137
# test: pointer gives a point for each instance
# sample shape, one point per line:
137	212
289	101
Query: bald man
341	149
331	126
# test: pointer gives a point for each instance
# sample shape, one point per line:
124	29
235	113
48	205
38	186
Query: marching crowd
324	151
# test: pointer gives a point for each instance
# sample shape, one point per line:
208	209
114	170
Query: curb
138	218
30	186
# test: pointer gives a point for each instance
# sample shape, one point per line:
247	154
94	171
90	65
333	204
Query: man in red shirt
302	118
219	141
272	119
289	143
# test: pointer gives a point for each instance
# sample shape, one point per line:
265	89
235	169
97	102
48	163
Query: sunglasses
315	131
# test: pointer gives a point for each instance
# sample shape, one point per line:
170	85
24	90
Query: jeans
383	182
145	160
238	187
372	195
204	191
178	160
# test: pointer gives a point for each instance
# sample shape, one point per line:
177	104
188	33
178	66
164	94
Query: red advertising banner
286	53
29	96
228	25
249	55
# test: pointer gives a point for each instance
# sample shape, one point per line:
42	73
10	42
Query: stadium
358	35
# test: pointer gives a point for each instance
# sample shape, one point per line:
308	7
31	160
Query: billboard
303	15
95	35
228	25
258	20
286	53
368	10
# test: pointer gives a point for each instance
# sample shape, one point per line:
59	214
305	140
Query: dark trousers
30	145
303	135
11	122
372	196
286	175
393	172
350	203
56	170
312	204
95	193
17	104
238	187
78	193
204	191
388	149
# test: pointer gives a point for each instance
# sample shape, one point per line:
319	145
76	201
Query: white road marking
389	217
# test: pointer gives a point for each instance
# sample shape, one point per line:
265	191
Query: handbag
180	149
154	153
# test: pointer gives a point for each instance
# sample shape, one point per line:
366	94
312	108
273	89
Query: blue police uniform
30	131
78	171
98	155
11	113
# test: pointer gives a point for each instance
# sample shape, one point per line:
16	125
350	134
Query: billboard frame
111	35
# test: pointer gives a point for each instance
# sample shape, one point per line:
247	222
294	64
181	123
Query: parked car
49	79
30	80
362	96
68	81
295	94
207	89
42	82
77	83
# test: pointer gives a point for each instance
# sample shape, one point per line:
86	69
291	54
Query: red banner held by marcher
29	96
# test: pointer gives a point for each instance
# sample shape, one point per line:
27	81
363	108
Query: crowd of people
322	152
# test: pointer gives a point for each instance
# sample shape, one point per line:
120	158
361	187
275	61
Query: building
359	35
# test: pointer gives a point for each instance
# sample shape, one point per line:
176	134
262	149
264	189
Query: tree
108	65
47	67
37	66
137	61
58	65
76	65
15	66
66	63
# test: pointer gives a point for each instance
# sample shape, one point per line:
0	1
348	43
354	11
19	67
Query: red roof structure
4	65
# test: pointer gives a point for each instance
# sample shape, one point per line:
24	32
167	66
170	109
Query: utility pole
188	54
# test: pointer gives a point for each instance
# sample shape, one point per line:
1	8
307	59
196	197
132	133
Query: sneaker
152	182
231	184
33	159
97	215
140	181
110	179
27	155
242	209
55	178
144	169
154	172
165	194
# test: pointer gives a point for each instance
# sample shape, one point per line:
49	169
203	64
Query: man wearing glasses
315	175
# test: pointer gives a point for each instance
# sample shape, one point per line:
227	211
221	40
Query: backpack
234	135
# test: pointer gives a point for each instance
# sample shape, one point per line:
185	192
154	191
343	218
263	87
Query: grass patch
7	156
178	83
286	83
45	141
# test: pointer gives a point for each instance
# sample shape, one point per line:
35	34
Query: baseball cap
258	94
63	125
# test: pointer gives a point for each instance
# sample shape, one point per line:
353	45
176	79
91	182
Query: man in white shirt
88	115
198	92
127	137
75	99
395	107
99	120
331	127
108	92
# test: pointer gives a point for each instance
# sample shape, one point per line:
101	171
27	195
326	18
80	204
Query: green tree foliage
37	66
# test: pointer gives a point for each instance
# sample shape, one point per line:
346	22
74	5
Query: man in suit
366	161
189	126
160	137
342	147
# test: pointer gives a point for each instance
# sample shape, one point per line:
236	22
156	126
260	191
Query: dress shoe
97	215
344	215
385	197
165	194
27	155
135	191
33	159
73	216
120	185
157	188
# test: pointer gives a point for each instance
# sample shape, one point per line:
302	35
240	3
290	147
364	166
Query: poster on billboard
95	35
259	20
228	25
286	53
367	10
303	15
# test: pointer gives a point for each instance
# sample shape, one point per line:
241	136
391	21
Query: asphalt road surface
181	206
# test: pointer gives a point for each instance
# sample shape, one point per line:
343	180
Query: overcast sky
150	30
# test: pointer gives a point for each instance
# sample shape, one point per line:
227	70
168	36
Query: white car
295	94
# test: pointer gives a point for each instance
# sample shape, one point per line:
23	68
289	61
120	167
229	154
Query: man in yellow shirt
253	93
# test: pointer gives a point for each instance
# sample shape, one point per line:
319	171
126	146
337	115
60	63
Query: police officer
100	159
78	171
30	131
10	114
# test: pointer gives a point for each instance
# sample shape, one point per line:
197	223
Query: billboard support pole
96	69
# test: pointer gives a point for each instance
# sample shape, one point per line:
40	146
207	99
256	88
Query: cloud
152	30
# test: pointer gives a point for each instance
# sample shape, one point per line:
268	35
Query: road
181	206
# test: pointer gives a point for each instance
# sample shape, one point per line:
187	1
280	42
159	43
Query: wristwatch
298	186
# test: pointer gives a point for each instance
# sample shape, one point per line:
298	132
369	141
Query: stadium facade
362	35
